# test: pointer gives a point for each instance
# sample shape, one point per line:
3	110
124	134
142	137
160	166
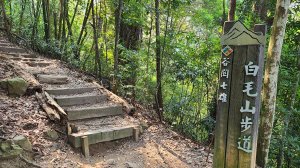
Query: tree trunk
270	81
148	50
95	35
231	13
61	15
117	37
158	95
85	19
45	4
55	24
130	38
261	9
23	5
224	13
36	13
75	12
6	21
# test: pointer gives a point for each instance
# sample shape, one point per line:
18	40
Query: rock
51	135
111	162
9	150
143	126
23	142
131	165
3	84
16	86
30	126
5	146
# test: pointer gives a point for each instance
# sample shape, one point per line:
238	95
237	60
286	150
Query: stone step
16	58
93	112
52	79
80	100
5	44
12	54
69	91
102	135
28	56
12	49
38	64
4	41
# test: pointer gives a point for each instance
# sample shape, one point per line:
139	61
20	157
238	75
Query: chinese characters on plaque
224	74
245	141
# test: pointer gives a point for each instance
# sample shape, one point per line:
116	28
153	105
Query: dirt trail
158	146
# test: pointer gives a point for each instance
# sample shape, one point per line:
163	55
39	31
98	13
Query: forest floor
158	146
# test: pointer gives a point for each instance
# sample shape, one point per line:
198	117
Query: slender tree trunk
23	6
260	8
85	19
130	38
270	81
55	24
97	53
105	33
61	16
224	13
64	31
158	95
6	21
231	13
36	13
70	33
149	46
75	12
117	37
46	20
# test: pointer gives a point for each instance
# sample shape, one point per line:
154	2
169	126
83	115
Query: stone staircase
91	117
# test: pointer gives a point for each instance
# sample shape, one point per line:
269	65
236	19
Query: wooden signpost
239	101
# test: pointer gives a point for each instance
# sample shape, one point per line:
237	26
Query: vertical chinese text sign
240	84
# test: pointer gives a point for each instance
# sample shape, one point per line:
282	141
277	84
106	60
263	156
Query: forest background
163	54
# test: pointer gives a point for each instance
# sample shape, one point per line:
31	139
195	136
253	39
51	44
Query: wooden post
69	129
238	107
136	133
85	146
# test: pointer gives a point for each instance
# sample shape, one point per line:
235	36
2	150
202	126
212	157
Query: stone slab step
12	54
80	100
16	58
69	91
102	135
28	56
4	41
5	44
52	79
12	49
38	64
93	112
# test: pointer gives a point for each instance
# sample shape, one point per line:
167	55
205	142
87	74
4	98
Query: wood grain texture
229	117
236	97
222	115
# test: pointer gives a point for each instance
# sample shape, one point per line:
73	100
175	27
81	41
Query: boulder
23	142
51	135
131	165
16	86
9	150
5	146
144	125
111	162
3	84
